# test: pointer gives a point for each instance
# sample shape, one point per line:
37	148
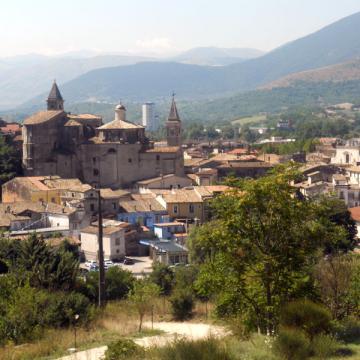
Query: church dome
120	107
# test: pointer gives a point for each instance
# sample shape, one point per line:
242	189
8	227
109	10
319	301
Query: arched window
347	158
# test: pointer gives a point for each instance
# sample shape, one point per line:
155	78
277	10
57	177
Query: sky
160	27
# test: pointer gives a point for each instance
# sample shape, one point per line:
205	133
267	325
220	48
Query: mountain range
23	77
329	55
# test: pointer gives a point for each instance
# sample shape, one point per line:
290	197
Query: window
52	200
341	195
191	208
117	251
111	151
117	241
72	195
94	160
157	157
175	209
114	206
92	207
96	172
129	160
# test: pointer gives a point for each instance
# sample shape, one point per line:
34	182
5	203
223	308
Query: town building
113	240
144	210
169	181
348	154
150	120
22	218
113	155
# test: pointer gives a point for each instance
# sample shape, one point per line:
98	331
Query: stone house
113	241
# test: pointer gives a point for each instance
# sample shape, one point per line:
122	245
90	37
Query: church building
116	154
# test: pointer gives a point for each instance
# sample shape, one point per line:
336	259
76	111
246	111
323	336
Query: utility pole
101	255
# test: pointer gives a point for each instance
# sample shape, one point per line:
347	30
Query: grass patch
249	120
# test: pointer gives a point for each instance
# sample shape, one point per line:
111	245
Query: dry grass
117	319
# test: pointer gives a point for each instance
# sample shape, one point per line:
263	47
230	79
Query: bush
324	346
347	330
205	349
182	304
292	344
118	284
122	349
312	318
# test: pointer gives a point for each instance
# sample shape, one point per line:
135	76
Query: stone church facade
115	154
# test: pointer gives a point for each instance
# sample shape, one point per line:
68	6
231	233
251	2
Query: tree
335	212
163	277
142	297
10	160
118	284
260	254
337	281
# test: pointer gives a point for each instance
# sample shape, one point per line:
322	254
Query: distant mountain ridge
347	71
336	43
215	56
24	76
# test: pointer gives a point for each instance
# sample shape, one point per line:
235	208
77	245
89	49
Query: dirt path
172	331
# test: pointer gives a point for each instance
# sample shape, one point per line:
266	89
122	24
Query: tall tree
262	249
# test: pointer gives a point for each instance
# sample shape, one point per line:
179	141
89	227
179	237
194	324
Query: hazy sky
160	26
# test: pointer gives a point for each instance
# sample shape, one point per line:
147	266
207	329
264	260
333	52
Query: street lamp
76	317
101	254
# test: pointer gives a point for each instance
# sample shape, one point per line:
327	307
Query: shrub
347	330
312	318
292	344
182	304
122	349
323	346
205	349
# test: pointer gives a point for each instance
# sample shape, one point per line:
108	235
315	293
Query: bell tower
173	125
55	100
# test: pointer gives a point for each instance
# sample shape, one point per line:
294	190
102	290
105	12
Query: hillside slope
335	73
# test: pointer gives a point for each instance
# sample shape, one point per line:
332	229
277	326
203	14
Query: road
172	331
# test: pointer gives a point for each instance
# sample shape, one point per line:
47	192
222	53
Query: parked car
108	264
128	261
94	267
90	263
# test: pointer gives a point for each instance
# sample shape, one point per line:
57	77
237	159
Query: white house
113	241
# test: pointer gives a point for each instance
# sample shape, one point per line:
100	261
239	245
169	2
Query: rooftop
120	124
165	149
145	204
355	213
107	230
42	117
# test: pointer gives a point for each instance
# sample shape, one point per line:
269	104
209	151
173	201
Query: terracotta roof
84	116
242	151
159	178
120	124
141	205
10	128
354	169
107	230
174	223
72	122
39	207
42	117
355	213
167	149
187	195
111	194
7	218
